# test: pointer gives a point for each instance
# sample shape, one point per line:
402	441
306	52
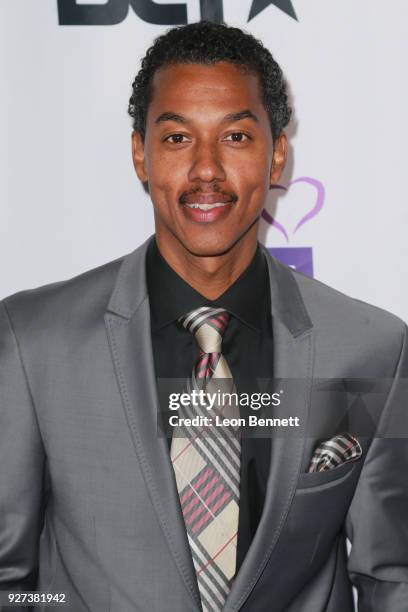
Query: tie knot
208	325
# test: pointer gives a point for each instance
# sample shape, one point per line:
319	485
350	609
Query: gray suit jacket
88	502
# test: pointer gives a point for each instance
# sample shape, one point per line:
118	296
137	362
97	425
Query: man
95	503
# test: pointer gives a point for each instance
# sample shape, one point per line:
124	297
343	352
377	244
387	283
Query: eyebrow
244	114
230	118
170	117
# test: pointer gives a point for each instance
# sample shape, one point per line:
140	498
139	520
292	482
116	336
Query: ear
280	152
138	155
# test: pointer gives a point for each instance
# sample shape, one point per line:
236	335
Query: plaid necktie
207	469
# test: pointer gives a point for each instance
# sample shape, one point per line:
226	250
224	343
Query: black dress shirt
247	346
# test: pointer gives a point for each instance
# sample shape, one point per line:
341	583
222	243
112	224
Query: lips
207	213
206	207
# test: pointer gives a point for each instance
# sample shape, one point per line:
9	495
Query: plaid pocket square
334	452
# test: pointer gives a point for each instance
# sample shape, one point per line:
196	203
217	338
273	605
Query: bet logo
112	12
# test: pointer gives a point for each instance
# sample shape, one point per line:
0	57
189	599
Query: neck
210	276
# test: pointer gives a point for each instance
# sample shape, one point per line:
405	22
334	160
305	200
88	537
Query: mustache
198	190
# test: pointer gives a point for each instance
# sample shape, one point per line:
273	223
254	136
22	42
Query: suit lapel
128	328
293	359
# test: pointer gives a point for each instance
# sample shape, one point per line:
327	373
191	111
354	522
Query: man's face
208	155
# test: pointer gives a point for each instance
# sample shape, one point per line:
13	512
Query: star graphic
284	5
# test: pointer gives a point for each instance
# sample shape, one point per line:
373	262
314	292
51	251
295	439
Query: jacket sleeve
377	522
22	463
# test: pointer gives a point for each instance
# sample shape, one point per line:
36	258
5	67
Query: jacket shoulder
67	299
331	309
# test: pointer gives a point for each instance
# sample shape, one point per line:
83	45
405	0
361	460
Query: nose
206	164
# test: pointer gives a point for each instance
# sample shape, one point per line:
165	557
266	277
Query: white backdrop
69	197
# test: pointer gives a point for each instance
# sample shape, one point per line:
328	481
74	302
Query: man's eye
237	137
176	138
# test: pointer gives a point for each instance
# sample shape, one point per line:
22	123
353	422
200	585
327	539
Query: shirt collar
170	296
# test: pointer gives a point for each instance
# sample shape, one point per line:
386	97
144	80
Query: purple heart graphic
318	205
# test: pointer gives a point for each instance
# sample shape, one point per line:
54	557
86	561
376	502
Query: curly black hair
207	43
